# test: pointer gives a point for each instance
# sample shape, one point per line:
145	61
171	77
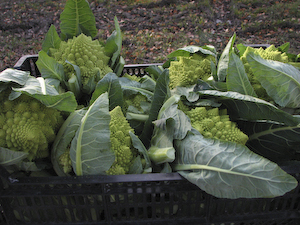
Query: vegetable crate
156	198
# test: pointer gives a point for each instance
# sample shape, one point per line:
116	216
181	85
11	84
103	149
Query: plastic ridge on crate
155	198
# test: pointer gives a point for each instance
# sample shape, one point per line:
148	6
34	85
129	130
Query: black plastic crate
27	63
133	199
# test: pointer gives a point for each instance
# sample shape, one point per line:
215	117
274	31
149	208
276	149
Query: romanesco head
29	126
135	101
215	123
270	53
120	142
87	54
187	70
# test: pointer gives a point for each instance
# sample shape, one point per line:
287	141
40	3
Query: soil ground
153	29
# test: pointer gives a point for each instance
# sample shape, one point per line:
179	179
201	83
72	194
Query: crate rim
23	58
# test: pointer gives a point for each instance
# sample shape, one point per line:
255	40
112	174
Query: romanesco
270	53
87	54
215	123
187	70
65	161
120	143
135	101
27	125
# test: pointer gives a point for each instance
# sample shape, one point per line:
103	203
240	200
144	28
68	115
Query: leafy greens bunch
270	130
32	112
76	59
99	139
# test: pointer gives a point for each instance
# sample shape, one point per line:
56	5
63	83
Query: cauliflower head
28	125
215	123
87	54
187	70
121	143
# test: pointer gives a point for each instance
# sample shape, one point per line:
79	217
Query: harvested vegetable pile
216	129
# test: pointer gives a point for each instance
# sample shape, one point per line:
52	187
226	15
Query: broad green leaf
237	79
191	49
113	45
132	87
52	39
9	157
161	93
77	18
74	83
241	49
154	71
229	170
137	144
48	95
224	60
110	84
274	141
118	69
148	83
49	68
90	149
171	124
280	80
64	137
250	108
10	75
285	47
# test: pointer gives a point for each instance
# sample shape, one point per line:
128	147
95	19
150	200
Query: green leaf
224	59
77	18
274	141
64	137
48	95
132	87
137	144
161	93
113	45
110	84
250	108
154	71
49	68
280	80
285	47
237	79
229	170
52	39
188	50
241	49
118	69
90	149
9	157
10	75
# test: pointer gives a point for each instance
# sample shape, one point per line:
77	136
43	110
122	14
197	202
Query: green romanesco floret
121	143
28	125
65	161
215	123
270	53
132	77
135	101
87	54
187	70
